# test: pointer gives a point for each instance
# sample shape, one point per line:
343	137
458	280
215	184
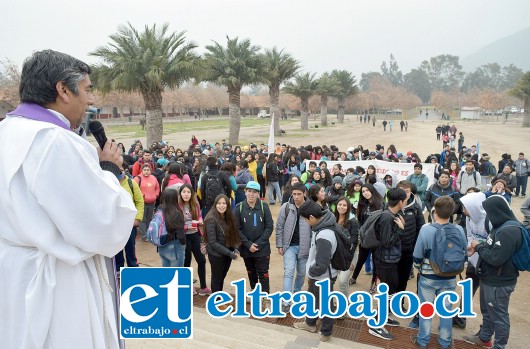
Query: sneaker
324	338
352	281
272	203
414	323
373	288
523	196
392	322
204	291
381	333
144	238
368	272
477	341
459	323
286	308
411	274
303	326
414	339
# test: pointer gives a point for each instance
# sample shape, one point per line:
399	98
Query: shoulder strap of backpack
130	185
139	180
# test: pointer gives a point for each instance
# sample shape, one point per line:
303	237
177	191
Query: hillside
511	49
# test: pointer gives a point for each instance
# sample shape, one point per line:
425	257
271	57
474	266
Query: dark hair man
63	214
323	246
293	238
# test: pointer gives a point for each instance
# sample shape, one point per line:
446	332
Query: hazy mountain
511	49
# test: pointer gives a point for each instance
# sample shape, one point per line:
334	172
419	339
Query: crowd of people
57	269
229	187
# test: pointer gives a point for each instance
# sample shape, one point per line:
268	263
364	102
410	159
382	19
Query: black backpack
213	188
343	256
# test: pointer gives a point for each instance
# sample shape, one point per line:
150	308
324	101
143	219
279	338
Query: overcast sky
355	35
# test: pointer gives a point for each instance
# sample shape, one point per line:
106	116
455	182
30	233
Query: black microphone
99	132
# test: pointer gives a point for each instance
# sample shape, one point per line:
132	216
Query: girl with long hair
261	160
369	202
172	254
346	218
287	188
353	193
177	175
193	225
318	195
313	178
223	240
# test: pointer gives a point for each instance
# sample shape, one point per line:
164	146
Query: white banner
400	169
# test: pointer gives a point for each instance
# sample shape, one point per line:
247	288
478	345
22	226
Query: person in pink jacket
150	190
176	176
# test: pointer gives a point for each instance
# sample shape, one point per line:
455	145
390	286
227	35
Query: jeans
172	254
522	181
193	245
369	264
130	252
428	289
149	210
258	270
219	268
327	323
272	187
494	303
292	261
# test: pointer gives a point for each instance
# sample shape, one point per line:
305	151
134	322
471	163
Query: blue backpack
521	257
449	250
157	233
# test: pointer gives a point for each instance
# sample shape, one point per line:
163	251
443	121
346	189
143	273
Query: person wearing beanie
486	169
334	192
500	188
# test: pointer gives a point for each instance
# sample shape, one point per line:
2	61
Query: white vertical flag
270	145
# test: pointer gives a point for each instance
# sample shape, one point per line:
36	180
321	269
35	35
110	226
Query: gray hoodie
475	229
323	246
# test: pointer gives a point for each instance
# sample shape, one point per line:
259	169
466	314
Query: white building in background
470	113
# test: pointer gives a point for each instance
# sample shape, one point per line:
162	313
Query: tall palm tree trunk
304	121
324	110
340	114
234	110
274	94
153	115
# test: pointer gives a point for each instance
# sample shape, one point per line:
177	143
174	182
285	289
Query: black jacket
215	234
414	220
225	182
255	225
436	190
273	173
388	232
495	267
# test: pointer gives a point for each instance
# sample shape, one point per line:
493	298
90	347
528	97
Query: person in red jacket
150	190
138	165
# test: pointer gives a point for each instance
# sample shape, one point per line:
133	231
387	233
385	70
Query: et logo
156	303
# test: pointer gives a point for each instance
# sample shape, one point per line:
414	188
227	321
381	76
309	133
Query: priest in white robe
63	213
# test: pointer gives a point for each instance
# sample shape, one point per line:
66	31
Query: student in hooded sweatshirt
497	274
323	246
475	230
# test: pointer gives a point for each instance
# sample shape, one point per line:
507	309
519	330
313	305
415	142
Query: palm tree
346	86
327	86
304	87
233	66
522	91
146	62
278	67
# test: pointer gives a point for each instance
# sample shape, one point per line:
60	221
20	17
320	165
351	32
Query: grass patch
175	126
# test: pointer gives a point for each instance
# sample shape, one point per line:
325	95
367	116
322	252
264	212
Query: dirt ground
495	139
